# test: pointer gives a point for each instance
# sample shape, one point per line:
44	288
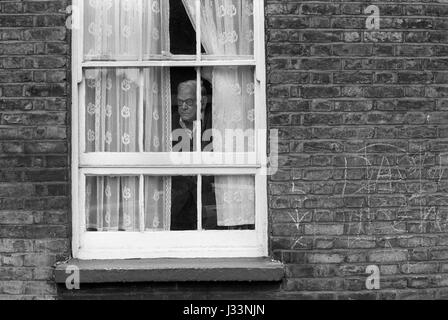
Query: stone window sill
173	270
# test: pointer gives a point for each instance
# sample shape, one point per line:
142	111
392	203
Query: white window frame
169	244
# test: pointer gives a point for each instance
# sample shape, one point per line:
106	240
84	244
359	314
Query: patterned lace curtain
228	30
113	31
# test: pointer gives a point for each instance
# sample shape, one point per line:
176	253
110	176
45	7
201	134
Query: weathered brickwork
363	126
34	189
362	118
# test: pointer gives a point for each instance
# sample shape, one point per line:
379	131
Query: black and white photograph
231	151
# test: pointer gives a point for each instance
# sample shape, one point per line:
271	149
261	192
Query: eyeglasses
189	102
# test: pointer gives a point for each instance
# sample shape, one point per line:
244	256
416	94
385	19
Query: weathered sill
172	270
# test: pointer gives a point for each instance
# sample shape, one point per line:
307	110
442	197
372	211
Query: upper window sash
171	60
106	10
168	59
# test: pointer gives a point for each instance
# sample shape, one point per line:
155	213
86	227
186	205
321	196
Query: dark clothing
184	190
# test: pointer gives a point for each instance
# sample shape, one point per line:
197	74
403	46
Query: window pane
157	109
157	201
228	112
155	27
181	29
184	109
228	202
112	30
111	100
122	30
233	109
184	203
227	26
170	203
112	204
134	29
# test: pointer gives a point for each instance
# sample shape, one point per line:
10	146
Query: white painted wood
218	58
128	253
164	159
173	171
167	63
166	56
77	78
184	244
261	189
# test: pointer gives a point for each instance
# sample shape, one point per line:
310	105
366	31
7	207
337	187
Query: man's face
186	101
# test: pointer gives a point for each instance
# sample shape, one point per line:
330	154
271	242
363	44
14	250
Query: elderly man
184	188
184	122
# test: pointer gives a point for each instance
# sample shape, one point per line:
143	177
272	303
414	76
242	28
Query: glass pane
111	100
169	109
112	204
133	29
184	203
157	109
228	202
184	108
228	27
233	104
112	30
156	39
170	203
157	200
181	29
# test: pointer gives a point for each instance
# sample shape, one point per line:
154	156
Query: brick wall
34	189
363	123
362	117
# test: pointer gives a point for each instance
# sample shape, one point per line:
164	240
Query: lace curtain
227	30
112	96
114	30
